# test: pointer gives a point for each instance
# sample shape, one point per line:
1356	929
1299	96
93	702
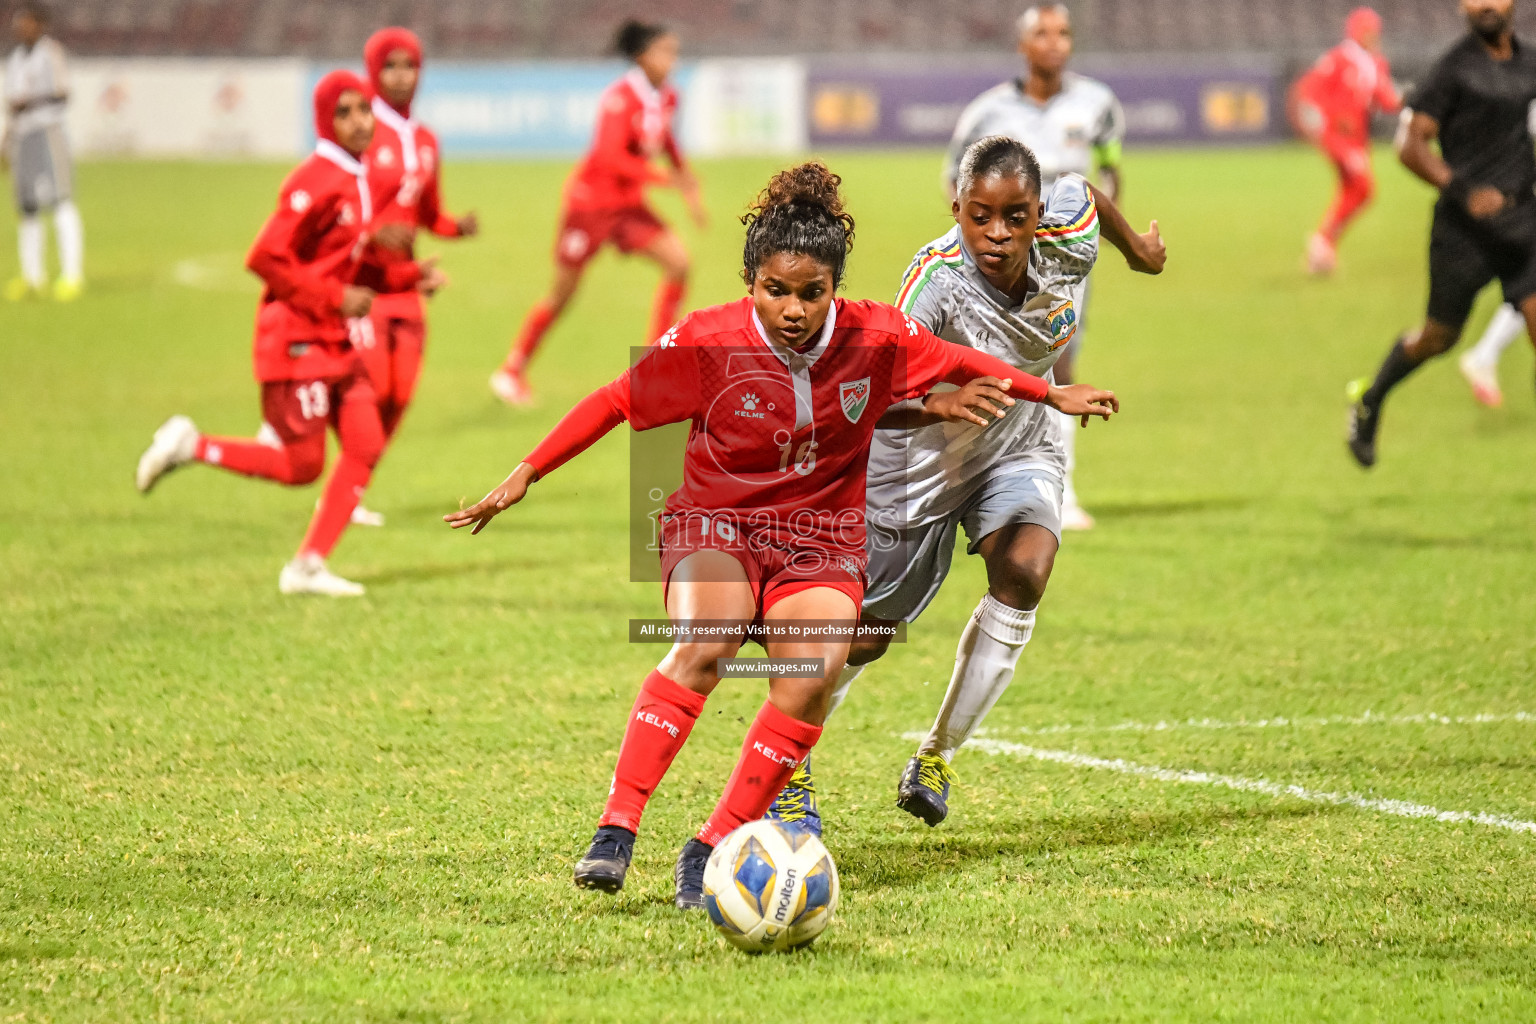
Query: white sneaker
1074	518
1482	380
175	444
1322	258
511	388
307	574
367	517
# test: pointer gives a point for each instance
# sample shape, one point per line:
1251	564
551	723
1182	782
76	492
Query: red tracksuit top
634	125
403	180
1345	84
310	249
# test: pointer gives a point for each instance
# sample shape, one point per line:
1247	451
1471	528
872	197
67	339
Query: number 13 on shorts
314	399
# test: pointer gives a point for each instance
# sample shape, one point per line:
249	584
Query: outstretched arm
581	428
930	359
1144	254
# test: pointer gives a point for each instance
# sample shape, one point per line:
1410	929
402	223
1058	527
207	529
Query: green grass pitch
224	805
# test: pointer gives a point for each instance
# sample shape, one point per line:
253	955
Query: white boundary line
1399	808
1281	722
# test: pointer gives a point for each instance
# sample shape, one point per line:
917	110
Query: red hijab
1362	22
377	50
327	94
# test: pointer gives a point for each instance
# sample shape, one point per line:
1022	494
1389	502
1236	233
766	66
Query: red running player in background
1331	105
605	198
310	257
783	389
403	167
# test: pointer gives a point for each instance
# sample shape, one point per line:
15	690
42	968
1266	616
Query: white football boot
511	388
367	517
307	574
1482	379
175	444
1073	517
1322	257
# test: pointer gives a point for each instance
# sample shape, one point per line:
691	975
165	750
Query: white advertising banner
230	109
188	108
745	107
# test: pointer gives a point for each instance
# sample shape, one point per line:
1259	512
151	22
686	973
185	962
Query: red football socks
659	725
537	322
1352	195
295	464
669	296
342	493
775	744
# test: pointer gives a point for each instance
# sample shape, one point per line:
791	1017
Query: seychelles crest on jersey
854	396
1063	323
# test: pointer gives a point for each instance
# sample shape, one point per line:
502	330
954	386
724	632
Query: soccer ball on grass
770	888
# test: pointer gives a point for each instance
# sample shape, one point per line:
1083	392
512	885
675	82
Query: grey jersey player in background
1006	280
36	151
1074	125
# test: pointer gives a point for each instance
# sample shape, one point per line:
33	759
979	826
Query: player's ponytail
635	37
997	155
801	211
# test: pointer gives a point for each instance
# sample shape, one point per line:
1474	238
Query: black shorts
1465	254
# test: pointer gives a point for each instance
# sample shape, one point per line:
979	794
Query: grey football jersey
34	74
924	473
1063	132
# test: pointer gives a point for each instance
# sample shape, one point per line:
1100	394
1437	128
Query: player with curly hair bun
783	390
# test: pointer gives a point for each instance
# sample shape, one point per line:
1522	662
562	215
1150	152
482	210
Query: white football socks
29	246
988	653
844	682
71	235
1069	445
1507	325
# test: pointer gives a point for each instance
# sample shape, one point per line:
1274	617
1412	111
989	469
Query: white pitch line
1400	808
1281	722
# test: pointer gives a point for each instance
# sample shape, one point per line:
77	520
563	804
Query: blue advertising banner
544	108
886	106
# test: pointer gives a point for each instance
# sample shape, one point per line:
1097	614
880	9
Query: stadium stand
578	28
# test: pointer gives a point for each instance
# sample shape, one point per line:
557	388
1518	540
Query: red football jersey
309	250
403	179
634	126
780	439
1345	84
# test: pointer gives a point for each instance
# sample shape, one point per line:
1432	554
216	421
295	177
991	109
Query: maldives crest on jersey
1063	324
854	396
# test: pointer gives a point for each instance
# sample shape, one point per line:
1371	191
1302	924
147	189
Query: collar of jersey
328	150
810	355
649	95
1020	84
405	127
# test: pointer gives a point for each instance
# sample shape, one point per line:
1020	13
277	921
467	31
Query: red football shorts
583	232
391	349
300	409
773	572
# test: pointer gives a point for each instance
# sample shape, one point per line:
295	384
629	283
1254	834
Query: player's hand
509	493
684	181
1149	254
1484	201
395	235
469	225
981	402
1083	400
356	300
432	277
